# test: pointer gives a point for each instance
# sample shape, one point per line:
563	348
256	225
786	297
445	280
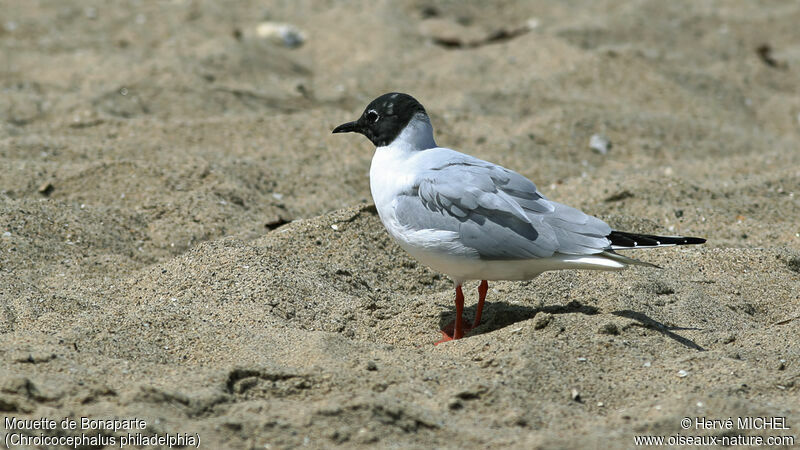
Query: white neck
417	135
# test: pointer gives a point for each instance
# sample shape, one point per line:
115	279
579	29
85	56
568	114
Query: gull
474	220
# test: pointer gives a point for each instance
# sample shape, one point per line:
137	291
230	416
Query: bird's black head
384	118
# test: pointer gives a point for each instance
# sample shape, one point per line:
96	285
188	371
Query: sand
183	241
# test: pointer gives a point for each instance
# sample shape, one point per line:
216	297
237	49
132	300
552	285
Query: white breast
389	175
394	166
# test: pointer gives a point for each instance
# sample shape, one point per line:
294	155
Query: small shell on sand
281	33
599	143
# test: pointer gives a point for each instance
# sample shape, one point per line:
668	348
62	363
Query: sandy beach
183	241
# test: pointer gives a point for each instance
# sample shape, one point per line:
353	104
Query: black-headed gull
474	220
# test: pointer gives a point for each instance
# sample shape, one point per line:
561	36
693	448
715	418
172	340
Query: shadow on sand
502	314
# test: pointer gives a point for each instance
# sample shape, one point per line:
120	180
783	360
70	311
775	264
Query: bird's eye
372	116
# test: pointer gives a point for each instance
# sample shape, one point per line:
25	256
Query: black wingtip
621	239
693	240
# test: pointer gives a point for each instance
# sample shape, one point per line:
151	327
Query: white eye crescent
372	115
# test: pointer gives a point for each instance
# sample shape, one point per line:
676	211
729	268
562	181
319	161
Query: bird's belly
443	252
463	269
470	268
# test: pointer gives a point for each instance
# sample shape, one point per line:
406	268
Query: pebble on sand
282	33
46	188
542	320
600	144
609	328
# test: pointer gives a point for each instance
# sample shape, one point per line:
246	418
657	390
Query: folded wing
498	213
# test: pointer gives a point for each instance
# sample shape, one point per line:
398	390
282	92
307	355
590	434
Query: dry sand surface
182	240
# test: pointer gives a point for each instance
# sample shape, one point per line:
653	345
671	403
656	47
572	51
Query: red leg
455	330
482	290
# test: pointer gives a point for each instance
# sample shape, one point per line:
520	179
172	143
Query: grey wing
498	213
